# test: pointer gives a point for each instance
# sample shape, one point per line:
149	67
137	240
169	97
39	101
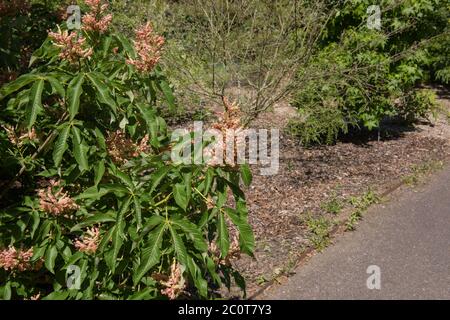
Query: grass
319	232
350	225
421	170
333	206
361	204
261	280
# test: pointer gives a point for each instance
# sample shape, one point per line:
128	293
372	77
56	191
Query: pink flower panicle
230	119
19	138
13	259
35	297
55	202
96	20
71	45
148	46
175	285
121	148
89	242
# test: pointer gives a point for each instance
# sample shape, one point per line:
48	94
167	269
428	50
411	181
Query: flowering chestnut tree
87	180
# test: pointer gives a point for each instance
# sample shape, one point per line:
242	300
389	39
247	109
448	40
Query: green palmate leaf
57	295
246	175
167	91
211	266
61	146
80	150
180	195
17	84
187	178
106	46
127	45
100	139
178	244
74	91
57	87
205	186
96	218
246	237
199	279
5	291
105	240
35	103
138	211
151	254
50	257
22	99
91	193
152	121
158	176
151	223
118	189
192	231
144	294
73	258
103	91
122	176
117	242
36	220
46	50
99	172
118	234
223	236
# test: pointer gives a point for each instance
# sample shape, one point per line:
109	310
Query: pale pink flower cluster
233	253
55	202
89	242
175	285
19	139
121	148
35	297
12	259
96	20
72	46
148	46
230	119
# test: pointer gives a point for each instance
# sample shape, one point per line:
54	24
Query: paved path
408	238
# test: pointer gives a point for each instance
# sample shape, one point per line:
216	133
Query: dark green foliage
61	122
362	76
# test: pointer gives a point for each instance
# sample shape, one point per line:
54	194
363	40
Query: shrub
361	76
87	178
246	49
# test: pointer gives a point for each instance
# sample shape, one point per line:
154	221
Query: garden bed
318	184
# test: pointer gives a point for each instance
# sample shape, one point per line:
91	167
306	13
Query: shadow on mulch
390	129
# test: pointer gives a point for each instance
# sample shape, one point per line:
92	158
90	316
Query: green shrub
87	179
310	128
361	76
419	103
